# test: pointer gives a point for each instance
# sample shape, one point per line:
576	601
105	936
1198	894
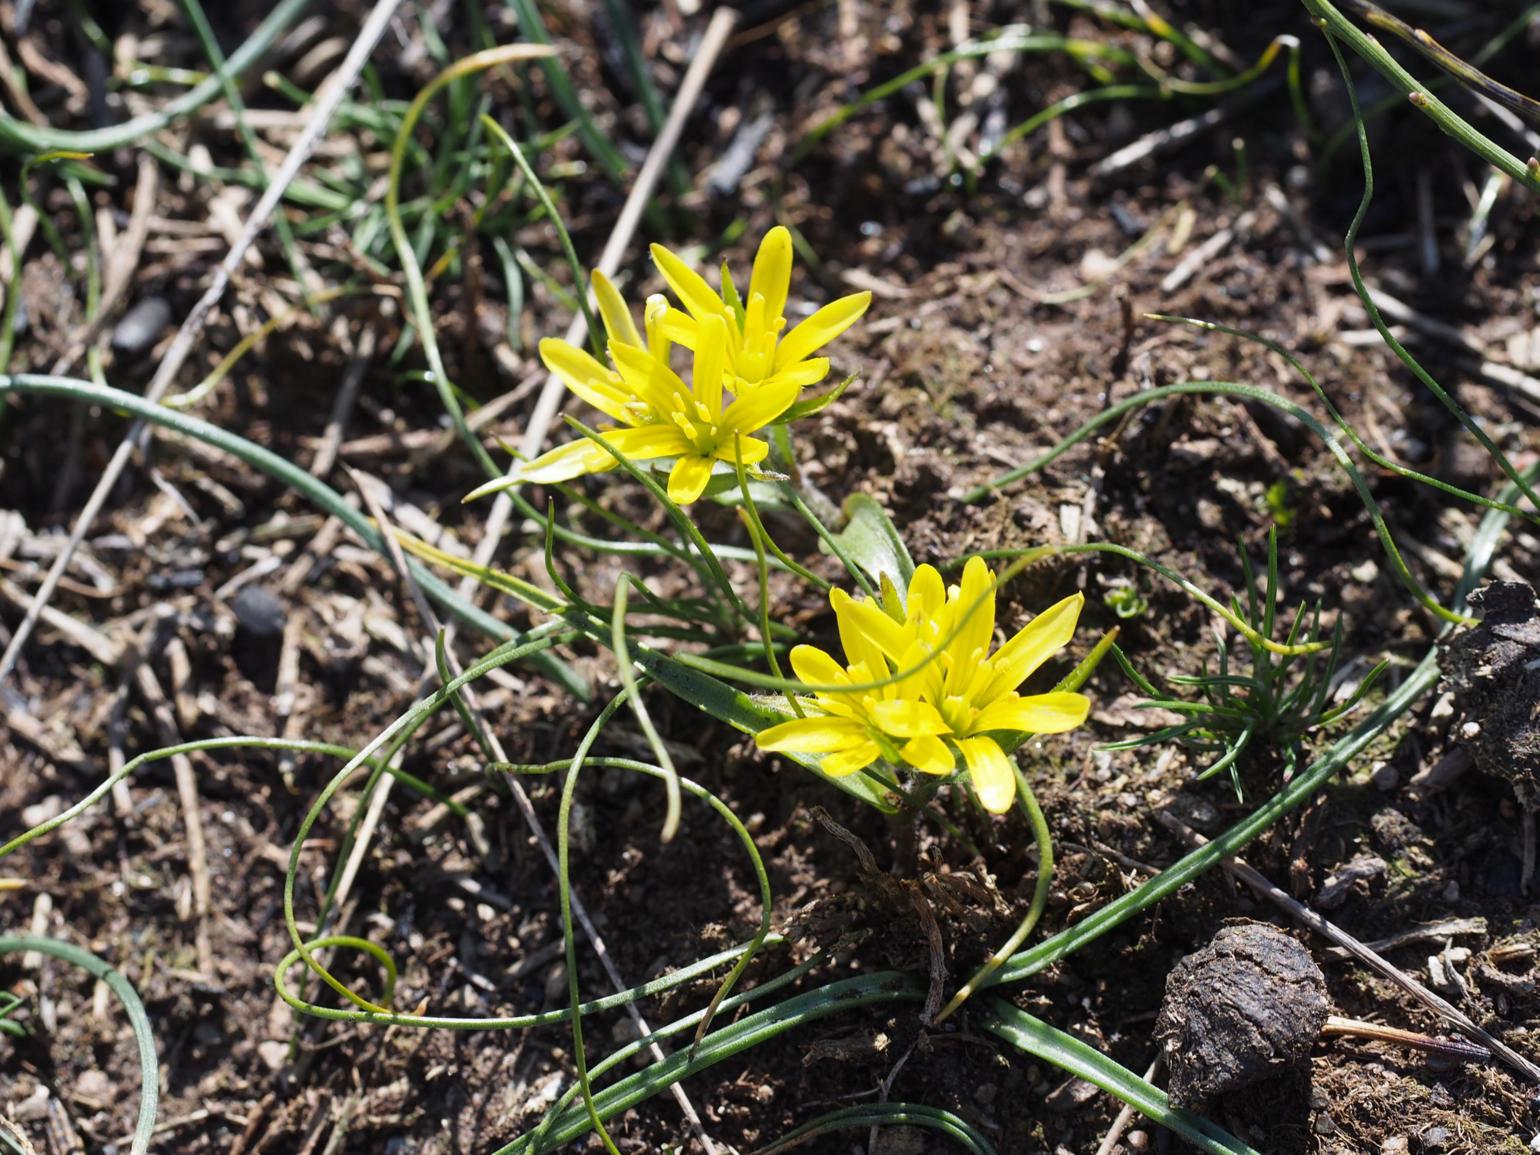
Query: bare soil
978	354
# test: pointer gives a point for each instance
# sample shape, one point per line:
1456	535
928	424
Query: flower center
958	714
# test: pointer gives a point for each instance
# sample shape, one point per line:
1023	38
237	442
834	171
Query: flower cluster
747	372
924	688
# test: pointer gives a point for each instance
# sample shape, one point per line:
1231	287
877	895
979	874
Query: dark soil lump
1493	670
1247	1007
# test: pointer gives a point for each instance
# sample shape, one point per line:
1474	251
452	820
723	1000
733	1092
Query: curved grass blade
1035	1037
959	1130
1349	250
144	1036
19	136
309	487
723	1043
1421	679
411	270
1337	26
632	692
1262	396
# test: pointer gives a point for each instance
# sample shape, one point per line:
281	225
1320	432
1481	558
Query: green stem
569	938
19	136
144	1036
1044	839
1335	25
311	488
1373	310
416	287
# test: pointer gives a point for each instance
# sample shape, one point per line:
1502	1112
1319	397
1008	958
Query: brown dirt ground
963	368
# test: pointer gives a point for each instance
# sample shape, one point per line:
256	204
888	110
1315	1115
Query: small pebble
260	611
901	1141
40	812
1435	1139
1138	1140
1395	1145
141	326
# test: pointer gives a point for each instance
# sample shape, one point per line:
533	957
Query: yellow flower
956	694
851	729
757	352
662	416
592	380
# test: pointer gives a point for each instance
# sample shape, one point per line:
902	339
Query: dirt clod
1490	669
1247	1007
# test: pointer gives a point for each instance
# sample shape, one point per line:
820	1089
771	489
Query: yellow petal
670	324
688	285
821	328
844	762
814	735
586	377
891	638
801	374
761	404
975	622
861	649
815	667
924	672
648	441
562	464
1032	645
710	362
687	480
927	594
612	307
907	718
651	380
990	772
664	323
749	450
929	755
1037	714
838	706
772	272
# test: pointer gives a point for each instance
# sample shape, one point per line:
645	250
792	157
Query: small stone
1325	1124
1070	1095
274	1054
1247	1007
93	1084
556	984
1435	1139
259	611
1363	869
141	326
1385	777
40	812
901	1141
1137	1140
1395	1145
